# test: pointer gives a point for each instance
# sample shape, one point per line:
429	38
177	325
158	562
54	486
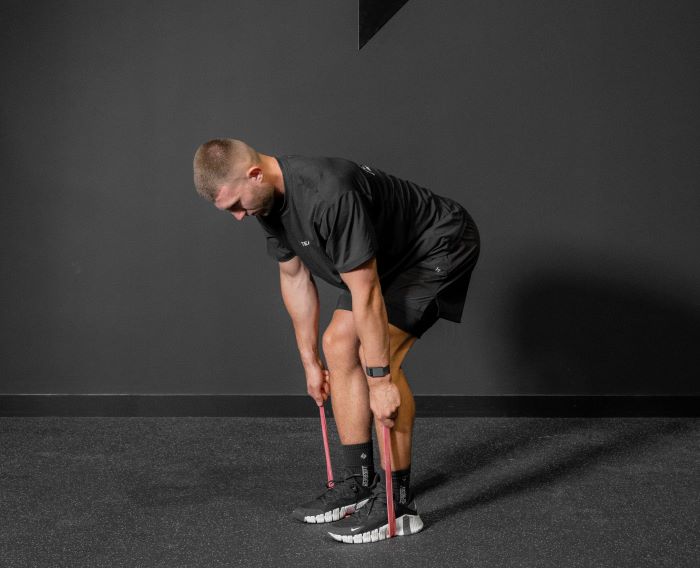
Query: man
403	258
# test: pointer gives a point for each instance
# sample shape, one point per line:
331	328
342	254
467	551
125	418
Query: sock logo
402	495
365	475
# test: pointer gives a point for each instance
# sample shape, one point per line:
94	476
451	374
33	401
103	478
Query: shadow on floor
550	464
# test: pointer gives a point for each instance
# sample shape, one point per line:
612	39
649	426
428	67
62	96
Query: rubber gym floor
492	492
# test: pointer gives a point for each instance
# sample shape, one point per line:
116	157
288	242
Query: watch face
377	371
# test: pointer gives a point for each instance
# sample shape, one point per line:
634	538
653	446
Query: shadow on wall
577	332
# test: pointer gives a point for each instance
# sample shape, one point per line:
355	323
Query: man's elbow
363	282
366	297
291	267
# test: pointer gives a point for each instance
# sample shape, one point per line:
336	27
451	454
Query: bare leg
402	432
350	400
349	391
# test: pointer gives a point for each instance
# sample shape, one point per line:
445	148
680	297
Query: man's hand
317	384
384	400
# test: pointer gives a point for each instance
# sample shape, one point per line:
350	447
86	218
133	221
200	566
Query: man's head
234	177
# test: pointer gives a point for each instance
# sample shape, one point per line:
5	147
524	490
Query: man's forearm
300	297
372	326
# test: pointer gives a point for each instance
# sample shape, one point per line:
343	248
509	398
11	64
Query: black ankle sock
400	485
359	460
400	481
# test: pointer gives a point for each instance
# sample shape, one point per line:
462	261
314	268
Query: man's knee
340	346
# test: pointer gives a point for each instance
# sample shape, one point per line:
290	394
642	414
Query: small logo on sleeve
305	243
368	170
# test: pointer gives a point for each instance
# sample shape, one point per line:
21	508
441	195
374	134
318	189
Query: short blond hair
219	160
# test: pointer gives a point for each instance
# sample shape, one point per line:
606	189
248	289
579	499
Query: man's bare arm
300	297
369	313
372	327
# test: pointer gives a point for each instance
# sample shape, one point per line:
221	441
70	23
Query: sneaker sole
405	525
335	514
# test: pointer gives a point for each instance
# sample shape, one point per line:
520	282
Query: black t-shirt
337	214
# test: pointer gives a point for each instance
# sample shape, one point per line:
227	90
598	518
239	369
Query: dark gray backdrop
570	130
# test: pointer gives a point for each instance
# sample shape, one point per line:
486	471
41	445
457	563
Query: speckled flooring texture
493	492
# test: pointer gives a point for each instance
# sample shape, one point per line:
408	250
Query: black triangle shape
373	14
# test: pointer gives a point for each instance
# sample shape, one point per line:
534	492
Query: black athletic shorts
433	288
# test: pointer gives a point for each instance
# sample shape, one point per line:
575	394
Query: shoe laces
334	487
378	493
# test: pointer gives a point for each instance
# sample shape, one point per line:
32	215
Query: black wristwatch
377	371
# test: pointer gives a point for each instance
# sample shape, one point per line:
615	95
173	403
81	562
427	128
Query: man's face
246	196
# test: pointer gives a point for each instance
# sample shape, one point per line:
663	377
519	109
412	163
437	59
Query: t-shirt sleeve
351	237
276	247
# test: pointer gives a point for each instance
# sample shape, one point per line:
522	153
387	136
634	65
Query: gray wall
570	130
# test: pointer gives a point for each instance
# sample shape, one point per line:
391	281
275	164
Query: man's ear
255	173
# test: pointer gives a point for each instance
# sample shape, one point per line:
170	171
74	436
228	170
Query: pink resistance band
324	428
389	487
